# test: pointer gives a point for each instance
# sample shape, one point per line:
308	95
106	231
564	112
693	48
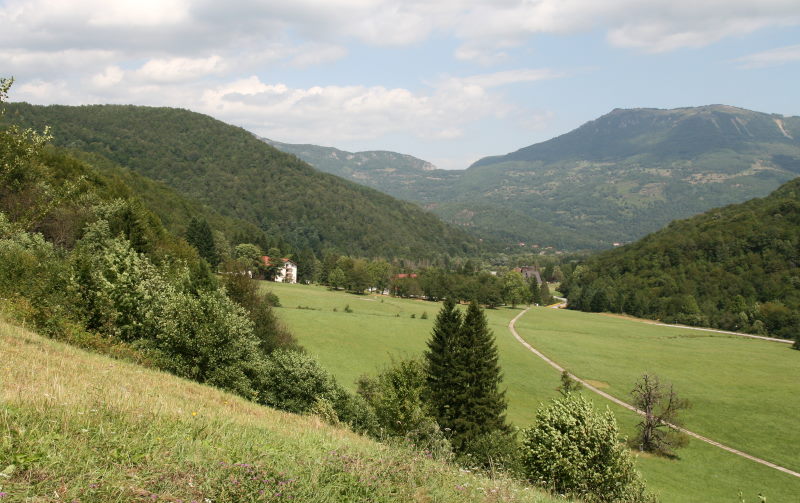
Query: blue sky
448	81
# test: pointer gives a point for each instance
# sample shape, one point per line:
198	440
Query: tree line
734	268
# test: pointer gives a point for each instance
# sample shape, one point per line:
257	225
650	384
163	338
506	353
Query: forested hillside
734	268
614	179
231	171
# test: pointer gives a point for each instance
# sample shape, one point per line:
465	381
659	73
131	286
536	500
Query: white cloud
772	57
54	63
180	69
488	80
111	76
327	114
485	27
124	13
316	54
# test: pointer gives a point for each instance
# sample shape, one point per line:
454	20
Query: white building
285	274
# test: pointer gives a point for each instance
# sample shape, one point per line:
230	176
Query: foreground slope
614	179
233	172
80	427
734	268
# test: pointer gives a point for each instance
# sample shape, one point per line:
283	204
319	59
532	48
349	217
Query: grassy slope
82	427
728	405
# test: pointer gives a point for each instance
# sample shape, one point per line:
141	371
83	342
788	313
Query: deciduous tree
661	407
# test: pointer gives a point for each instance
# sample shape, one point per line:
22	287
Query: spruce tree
536	292
463	377
440	363
199	235
547	298
480	404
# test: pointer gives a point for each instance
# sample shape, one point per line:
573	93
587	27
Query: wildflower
194	413
4	495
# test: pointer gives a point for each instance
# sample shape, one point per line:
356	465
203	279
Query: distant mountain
734	267
614	179
229	170
399	175
412	179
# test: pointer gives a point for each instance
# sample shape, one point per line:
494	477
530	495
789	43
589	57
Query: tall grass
76	426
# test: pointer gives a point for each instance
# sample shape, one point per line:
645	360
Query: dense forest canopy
237	175
734	268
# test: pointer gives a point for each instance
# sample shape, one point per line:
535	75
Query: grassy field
380	328
80	427
744	392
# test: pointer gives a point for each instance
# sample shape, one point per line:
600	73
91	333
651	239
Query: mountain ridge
615	178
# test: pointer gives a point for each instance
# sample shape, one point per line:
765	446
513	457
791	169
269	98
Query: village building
287	273
529	272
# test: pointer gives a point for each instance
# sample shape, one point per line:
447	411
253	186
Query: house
529	272
287	273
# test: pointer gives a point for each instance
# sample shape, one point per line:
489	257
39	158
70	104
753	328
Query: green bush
293	381
397	396
122	293
354	411
496	450
576	451
269	331
208	338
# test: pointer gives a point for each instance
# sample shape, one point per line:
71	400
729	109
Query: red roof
265	260
404	275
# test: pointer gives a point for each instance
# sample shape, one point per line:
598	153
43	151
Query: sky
448	81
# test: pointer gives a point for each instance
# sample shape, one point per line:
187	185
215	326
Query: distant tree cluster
734	268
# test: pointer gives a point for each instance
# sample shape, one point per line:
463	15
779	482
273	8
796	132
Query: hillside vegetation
614	179
231	171
81	427
734	268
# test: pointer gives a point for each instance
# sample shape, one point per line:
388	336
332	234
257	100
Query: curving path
512	328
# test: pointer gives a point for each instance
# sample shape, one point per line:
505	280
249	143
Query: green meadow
744	392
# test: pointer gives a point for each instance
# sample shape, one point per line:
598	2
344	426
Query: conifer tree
199	235
463	377
536	292
440	363
547	298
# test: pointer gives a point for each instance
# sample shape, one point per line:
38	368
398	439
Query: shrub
208	338
293	381
323	408
121	292
354	411
269	331
496	450
397	396
574	450
33	270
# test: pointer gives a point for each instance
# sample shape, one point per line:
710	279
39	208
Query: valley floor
744	391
